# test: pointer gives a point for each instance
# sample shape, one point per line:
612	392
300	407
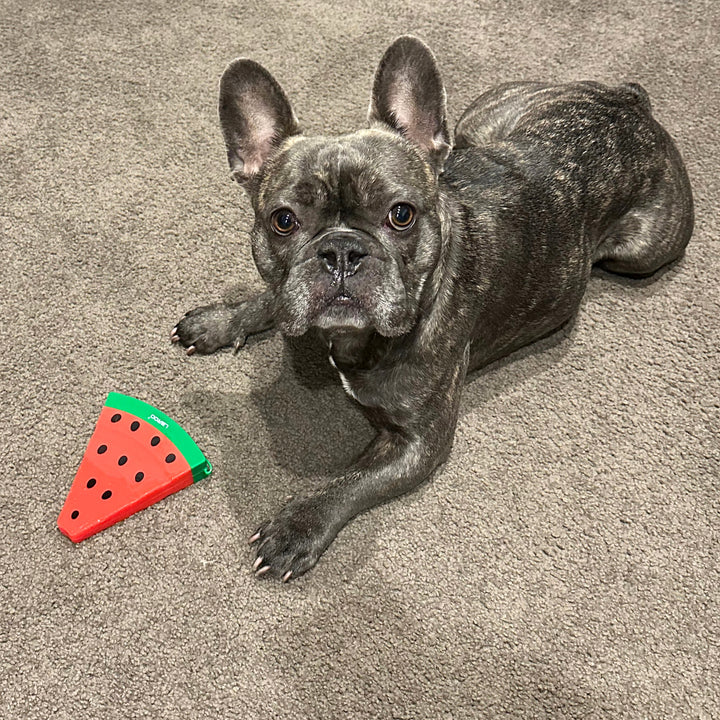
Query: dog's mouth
342	310
344	298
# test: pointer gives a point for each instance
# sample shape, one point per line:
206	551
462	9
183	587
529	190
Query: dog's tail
639	93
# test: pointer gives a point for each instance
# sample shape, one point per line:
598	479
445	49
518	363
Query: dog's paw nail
287	576
257	563
254	538
190	350
262	571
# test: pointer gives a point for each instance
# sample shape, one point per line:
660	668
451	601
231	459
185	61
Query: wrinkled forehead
368	169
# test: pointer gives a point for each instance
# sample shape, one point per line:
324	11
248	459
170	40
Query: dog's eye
283	221
401	217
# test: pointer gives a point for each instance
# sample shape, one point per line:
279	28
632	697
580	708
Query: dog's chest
382	390
346	383
345	353
348	356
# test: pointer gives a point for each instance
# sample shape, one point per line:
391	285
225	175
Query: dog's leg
293	541
395	462
653	232
644	239
211	327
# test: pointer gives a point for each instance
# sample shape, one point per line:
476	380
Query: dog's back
601	152
555	178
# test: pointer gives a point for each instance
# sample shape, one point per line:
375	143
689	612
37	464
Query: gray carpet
563	564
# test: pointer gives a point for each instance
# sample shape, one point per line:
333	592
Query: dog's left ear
408	95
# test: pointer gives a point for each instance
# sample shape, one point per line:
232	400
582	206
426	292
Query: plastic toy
136	456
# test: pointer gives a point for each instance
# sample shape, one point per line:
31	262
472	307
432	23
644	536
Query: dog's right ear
255	116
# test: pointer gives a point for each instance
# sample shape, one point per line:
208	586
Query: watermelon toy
136	456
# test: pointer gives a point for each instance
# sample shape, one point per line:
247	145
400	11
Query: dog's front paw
291	543
207	329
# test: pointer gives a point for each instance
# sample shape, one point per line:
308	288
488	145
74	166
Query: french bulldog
417	259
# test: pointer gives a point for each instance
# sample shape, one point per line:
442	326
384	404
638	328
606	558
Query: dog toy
136	456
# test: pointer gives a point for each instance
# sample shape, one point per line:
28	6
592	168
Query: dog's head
347	229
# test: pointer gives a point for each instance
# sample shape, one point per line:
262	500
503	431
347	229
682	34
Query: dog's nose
341	254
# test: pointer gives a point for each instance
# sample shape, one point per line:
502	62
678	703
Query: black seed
74	515
170	458
135	425
139	476
102	449
122	460
116	417
155	441
106	494
91	482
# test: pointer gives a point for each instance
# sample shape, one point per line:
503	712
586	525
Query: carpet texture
564	563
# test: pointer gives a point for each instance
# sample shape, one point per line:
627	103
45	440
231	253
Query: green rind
199	464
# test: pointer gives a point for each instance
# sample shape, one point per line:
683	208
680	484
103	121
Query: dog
417	261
